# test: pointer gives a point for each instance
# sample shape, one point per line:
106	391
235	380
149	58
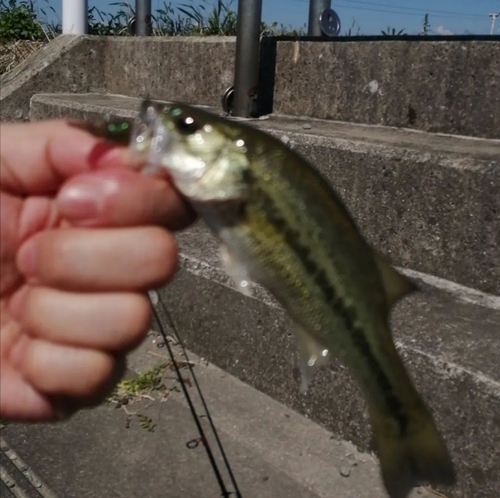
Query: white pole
493	16
74	13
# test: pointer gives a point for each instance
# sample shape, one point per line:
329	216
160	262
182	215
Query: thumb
119	197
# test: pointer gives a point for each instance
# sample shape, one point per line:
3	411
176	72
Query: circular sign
329	22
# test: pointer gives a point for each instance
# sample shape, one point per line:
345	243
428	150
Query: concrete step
273	451
429	202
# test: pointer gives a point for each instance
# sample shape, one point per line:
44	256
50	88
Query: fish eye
187	126
184	123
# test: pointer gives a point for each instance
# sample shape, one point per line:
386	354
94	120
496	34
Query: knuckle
138	321
164	255
35	309
98	376
56	253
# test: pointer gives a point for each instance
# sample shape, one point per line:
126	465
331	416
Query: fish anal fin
236	271
312	355
396	284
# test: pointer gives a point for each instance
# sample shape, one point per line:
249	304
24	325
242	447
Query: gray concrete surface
450	347
437	86
67	64
274	452
430	202
192	68
17	478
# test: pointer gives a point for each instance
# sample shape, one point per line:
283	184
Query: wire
171	324
424	11
402	12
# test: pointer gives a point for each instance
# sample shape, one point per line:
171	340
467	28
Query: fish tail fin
411	456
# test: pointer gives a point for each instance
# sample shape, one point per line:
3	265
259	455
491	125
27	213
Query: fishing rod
196	417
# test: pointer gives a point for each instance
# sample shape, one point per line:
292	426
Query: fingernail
26	259
105	155
82	200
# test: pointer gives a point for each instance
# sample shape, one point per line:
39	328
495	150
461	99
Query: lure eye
186	125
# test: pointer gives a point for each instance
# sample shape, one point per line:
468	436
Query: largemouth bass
281	225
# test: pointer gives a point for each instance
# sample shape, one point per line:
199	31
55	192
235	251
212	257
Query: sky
370	16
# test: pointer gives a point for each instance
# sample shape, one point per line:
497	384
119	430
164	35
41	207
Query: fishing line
196	417
210	455
202	398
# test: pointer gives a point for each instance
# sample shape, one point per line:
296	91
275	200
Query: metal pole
143	20
246	72
493	16
316	7
75	17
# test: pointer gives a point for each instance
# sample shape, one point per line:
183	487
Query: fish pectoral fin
236	271
396	284
312	355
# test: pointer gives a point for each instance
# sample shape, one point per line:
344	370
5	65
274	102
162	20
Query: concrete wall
67	64
438	86
191	69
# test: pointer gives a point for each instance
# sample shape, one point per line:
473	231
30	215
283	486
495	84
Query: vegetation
13	53
141	388
25	20
392	32
426	26
19	21
134	396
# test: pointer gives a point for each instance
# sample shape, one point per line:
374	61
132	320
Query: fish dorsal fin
396	284
312	355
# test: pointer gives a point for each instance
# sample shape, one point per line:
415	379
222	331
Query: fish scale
324	301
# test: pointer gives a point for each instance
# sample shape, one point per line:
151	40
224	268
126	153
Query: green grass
33	20
148	387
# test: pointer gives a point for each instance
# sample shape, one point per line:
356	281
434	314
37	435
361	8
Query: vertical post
75	17
246	72
316	7
493	16
143	20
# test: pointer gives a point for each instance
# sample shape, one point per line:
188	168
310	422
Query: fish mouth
150	139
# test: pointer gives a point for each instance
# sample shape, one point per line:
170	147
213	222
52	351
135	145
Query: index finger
36	158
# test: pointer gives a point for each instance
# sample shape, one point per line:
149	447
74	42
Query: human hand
82	238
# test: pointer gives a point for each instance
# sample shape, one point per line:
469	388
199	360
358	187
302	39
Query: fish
281	224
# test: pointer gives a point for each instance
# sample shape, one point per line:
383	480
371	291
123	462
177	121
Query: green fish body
281	225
